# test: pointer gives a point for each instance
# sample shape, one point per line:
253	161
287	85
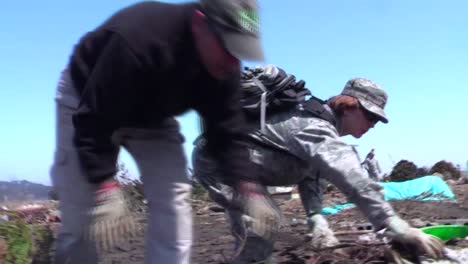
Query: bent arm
224	127
108	96
339	163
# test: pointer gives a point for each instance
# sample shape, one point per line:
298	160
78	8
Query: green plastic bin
447	232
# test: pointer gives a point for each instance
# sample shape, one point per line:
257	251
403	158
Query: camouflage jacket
311	148
373	168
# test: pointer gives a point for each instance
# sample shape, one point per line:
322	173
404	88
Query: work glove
111	220
254	201
321	234
412	239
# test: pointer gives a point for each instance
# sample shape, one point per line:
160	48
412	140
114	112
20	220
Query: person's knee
271	226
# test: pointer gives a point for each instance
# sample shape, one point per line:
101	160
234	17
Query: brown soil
213	242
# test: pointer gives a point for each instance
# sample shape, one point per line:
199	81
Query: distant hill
23	190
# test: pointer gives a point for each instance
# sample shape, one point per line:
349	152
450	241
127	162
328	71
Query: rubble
213	242
357	238
32	213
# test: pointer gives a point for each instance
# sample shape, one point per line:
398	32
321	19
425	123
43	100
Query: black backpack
268	90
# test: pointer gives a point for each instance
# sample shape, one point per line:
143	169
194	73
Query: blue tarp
337	208
429	184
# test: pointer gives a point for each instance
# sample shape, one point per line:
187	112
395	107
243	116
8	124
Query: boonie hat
370	95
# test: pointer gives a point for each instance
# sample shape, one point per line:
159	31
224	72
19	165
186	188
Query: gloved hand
322	235
111	219
253	200
413	239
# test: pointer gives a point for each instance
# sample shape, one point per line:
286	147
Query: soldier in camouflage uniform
371	165
299	148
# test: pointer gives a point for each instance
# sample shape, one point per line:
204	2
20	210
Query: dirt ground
213	243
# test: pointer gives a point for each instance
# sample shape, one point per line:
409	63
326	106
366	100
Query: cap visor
375	110
243	46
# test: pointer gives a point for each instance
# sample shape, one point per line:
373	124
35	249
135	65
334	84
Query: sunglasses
371	117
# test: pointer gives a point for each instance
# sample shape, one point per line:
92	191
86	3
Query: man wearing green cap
302	145
125	82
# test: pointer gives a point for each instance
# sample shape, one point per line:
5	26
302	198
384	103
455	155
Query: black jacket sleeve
311	193
225	130
107	98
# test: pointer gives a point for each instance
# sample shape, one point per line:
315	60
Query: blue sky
417	50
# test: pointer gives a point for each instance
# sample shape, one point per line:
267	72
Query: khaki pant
162	164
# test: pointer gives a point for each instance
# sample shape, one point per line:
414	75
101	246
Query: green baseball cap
238	24
370	95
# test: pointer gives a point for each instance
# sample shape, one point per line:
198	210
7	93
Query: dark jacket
139	68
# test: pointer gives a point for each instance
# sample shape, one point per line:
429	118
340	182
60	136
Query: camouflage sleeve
339	163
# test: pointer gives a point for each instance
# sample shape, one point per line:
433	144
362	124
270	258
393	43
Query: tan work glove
413	239
111	219
321	234
254	201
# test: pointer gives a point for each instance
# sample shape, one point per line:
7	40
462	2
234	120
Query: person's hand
321	234
254	201
111	218
413	239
